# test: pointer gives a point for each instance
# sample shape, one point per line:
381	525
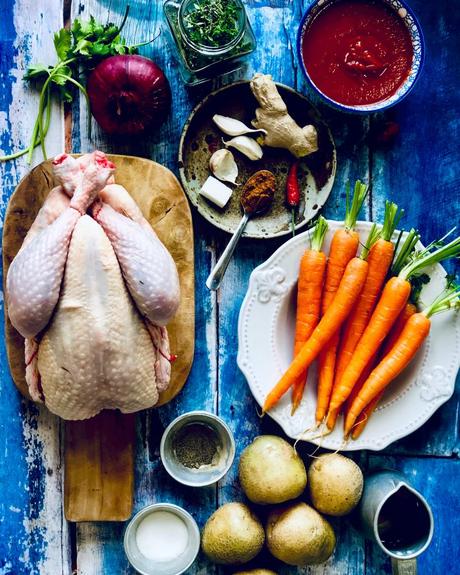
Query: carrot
379	260
359	426
352	282
406	346
372	238
310	285
394	297
344	245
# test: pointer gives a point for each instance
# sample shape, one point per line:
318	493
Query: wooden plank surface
34	537
418	170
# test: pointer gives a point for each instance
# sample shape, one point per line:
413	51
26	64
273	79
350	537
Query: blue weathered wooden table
419	170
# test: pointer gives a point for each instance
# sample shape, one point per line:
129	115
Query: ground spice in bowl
196	445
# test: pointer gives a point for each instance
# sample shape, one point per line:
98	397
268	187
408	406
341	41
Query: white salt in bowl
166	566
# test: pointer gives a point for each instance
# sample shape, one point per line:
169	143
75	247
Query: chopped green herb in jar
213	23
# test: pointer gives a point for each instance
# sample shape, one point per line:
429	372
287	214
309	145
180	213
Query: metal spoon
256	198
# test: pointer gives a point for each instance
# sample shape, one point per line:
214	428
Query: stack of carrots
354	315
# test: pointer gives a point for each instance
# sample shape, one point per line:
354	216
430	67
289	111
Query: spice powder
196	445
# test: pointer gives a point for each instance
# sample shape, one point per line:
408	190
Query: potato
271	471
298	535
335	484
232	535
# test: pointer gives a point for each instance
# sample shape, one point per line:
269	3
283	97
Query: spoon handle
215	277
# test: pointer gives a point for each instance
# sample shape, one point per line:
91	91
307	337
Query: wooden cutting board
99	453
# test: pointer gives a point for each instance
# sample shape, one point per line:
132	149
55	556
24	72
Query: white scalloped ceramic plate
265	343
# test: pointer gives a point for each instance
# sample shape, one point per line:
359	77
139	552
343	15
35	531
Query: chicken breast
96	336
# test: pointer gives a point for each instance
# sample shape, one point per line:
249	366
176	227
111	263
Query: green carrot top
373	236
319	233
392	218
353	208
404	253
436	252
447	299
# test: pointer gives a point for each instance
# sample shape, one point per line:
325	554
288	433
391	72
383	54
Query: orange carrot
359	426
309	289
406	346
402	258
372	238
394	297
379	260
343	247
349	289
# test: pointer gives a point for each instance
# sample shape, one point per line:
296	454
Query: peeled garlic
223	166
247	146
233	127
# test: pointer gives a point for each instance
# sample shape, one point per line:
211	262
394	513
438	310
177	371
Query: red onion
128	94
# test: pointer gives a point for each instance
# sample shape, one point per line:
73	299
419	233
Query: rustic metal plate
201	137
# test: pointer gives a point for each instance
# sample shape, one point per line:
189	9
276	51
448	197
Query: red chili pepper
293	191
292	186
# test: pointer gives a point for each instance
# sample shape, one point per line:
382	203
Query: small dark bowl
418	45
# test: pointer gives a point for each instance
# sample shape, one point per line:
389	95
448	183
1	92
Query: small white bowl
197	477
175	566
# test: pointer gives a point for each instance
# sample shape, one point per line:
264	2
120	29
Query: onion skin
128	94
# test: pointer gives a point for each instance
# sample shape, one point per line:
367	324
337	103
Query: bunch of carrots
355	314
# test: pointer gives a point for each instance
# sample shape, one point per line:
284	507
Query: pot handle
404	566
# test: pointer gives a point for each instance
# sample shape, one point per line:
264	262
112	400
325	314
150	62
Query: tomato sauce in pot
357	51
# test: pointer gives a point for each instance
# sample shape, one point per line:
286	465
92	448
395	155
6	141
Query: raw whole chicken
91	290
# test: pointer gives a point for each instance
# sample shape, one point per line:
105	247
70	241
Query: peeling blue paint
21	482
422	163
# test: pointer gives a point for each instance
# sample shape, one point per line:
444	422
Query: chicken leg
122	202
35	275
148	268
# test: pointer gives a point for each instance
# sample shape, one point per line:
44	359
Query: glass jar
197	61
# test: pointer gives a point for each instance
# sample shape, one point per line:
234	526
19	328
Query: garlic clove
233	127
223	166
247	146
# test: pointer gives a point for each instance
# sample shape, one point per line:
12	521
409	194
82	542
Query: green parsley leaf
59	79
83	47
37	72
417	282
62	43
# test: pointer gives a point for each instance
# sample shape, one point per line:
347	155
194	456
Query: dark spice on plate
196	445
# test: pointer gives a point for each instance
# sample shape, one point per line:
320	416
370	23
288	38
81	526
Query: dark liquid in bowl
403	522
357	51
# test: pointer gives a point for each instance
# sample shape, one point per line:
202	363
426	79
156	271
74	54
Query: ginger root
273	117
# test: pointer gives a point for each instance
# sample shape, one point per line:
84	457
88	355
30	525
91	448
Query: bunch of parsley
79	50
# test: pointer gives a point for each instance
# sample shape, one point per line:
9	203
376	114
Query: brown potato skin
335	484
298	535
232	535
271	471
